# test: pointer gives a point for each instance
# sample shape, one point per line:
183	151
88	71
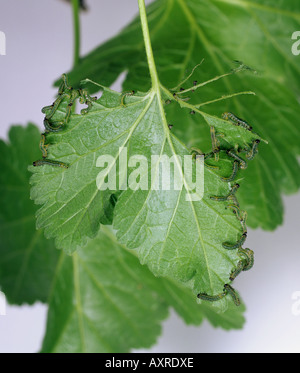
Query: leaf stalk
148	46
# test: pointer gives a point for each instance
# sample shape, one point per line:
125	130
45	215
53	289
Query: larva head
227	287
257	141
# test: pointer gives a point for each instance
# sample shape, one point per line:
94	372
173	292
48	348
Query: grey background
39	49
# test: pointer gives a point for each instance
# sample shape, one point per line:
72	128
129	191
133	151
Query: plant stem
156	86
76	23
147	41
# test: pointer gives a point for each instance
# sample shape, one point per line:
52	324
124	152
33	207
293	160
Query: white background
39	49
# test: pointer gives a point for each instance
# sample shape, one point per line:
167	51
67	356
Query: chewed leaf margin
60	120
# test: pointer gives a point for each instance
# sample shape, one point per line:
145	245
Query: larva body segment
218	198
211	298
239	243
234	189
243	220
131	93
248	258
228	289
64	84
242	163
42	162
43	147
85	98
254	150
236	271
233	202
55	105
235	209
214	142
46	108
49	128
228	196
236	120
235	168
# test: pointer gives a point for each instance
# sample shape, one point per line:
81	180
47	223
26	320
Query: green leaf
103	300
100	303
256	32
23	249
154	222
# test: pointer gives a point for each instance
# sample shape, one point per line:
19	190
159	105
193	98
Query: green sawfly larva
131	93
236	210
219	198
211	298
233	202
248	256
242	163
55	105
42	162
49	127
197	152
230	290
236	271
235	168
254	150
46	108
236	121
243	220
234	189
64	85
42	145
85	98
214	142
225	198
238	244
